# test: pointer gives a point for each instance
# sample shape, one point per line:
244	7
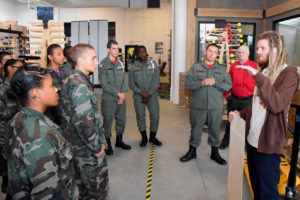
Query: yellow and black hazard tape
149	179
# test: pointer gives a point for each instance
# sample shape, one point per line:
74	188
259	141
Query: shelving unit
228	38
13	42
40	39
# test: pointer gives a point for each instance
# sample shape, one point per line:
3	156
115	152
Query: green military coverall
113	81
206	101
145	79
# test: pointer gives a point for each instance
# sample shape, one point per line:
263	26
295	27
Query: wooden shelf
45	39
10	31
13	47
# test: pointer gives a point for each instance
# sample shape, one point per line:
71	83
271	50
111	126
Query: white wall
7	10
142	26
296	60
26	15
289	36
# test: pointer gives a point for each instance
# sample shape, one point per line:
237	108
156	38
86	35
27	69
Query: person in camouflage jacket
82	125
55	59
4	56
8	108
40	160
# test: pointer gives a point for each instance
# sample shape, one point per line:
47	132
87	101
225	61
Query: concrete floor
200	178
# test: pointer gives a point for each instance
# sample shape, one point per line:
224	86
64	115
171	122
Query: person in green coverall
207	81
115	86
144	80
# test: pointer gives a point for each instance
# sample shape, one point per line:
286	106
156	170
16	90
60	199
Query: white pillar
179	42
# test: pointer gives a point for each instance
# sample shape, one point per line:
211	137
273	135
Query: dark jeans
235	103
264	173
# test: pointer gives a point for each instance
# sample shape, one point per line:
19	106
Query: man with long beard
266	117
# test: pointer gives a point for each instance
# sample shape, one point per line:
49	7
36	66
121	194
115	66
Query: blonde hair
275	41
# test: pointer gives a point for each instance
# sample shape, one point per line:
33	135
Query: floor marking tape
149	180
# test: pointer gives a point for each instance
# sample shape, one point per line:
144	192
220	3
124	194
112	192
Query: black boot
154	140
191	154
216	156
121	144
225	140
109	151
144	140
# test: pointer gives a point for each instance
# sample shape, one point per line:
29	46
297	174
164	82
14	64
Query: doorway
289	29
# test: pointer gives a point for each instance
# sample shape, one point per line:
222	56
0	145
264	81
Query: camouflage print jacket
56	79
39	158
81	119
54	113
66	69
1	77
8	109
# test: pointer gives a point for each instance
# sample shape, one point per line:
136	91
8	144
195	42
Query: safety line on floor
149	178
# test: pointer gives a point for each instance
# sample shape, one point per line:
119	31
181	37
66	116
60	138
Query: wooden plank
34	42
57	42
34	48
236	159
57	36
36	23
55	23
8	47
32	61
36	30
191	35
283	7
34	55
242	13
35	36
56	30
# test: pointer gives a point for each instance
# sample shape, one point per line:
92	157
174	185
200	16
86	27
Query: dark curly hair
25	79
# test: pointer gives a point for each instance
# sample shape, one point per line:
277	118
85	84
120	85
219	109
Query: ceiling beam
242	13
283	7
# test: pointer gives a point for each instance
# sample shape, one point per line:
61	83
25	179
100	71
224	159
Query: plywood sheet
236	159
